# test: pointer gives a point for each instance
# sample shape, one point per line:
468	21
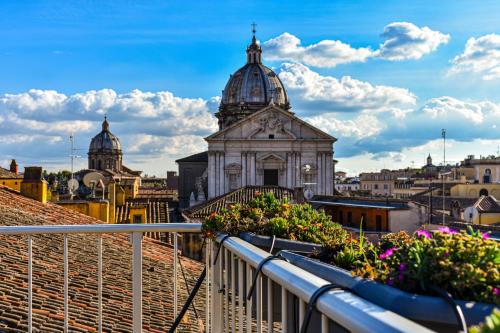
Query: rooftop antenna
72	155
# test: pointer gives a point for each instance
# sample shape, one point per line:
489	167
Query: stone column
243	169
329	173
253	171
298	169
211	175
221	173
289	170
319	179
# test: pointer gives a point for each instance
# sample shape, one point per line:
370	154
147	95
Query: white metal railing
135	230
278	304
284	283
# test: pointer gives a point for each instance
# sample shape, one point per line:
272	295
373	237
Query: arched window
483	192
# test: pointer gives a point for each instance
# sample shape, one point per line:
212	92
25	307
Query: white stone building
260	141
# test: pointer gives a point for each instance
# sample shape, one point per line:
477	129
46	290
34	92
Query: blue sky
154	66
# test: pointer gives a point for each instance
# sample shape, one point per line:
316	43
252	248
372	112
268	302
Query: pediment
271	122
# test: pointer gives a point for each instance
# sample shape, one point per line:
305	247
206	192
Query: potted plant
267	222
402	273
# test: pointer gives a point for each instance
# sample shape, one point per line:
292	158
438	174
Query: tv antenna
72	154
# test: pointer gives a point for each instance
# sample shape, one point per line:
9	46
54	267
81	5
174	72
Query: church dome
105	141
251	88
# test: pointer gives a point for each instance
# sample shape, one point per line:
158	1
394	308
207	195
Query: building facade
260	141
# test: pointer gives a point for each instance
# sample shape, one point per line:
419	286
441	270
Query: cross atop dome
254	51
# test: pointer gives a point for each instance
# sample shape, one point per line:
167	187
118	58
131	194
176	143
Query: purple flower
387	253
446	254
401	277
390	281
496	291
447	230
403	267
423	233
486	235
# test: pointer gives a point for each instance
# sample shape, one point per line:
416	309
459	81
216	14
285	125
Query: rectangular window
137	218
375	186
349	218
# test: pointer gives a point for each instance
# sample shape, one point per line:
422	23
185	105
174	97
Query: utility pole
443	134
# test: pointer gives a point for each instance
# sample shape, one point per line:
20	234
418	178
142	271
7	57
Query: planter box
265	243
429	311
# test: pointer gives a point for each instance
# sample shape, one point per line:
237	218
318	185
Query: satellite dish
73	185
91	179
308	194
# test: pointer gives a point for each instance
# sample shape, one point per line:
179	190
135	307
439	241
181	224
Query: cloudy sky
382	77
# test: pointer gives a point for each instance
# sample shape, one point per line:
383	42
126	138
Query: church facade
260	141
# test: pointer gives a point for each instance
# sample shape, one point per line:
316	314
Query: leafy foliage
490	325
465	265
266	215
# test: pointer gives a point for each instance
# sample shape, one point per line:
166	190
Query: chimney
33	185
14	168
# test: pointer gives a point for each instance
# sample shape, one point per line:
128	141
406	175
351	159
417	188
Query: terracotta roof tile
241	195
48	275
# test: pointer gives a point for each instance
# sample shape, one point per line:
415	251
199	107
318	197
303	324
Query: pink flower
486	235
447	230
423	233
496	291
387	253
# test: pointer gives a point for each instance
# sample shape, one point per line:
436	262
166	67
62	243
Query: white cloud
329	94
326	53
35	125
404	40
358	128
481	55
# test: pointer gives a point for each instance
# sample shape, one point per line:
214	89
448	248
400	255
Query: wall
188	172
407	219
12	183
473	190
95	209
137	211
36	189
369	221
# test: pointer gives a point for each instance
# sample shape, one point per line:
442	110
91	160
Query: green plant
267	215
465	265
490	325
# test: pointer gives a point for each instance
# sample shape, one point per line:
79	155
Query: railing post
99	284
30	284
216	296
208	267
175	273
137	281
66	287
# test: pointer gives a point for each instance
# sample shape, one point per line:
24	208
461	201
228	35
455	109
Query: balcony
278	303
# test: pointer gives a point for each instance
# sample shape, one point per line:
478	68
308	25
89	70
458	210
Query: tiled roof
199	157
240	195
4	173
487	204
117	267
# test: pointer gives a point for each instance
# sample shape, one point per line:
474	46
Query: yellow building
475	190
33	185
11	177
486	210
98	209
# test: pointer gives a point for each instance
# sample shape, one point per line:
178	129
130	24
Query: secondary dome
251	88
105	141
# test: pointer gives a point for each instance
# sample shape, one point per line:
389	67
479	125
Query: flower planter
429	311
265	243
